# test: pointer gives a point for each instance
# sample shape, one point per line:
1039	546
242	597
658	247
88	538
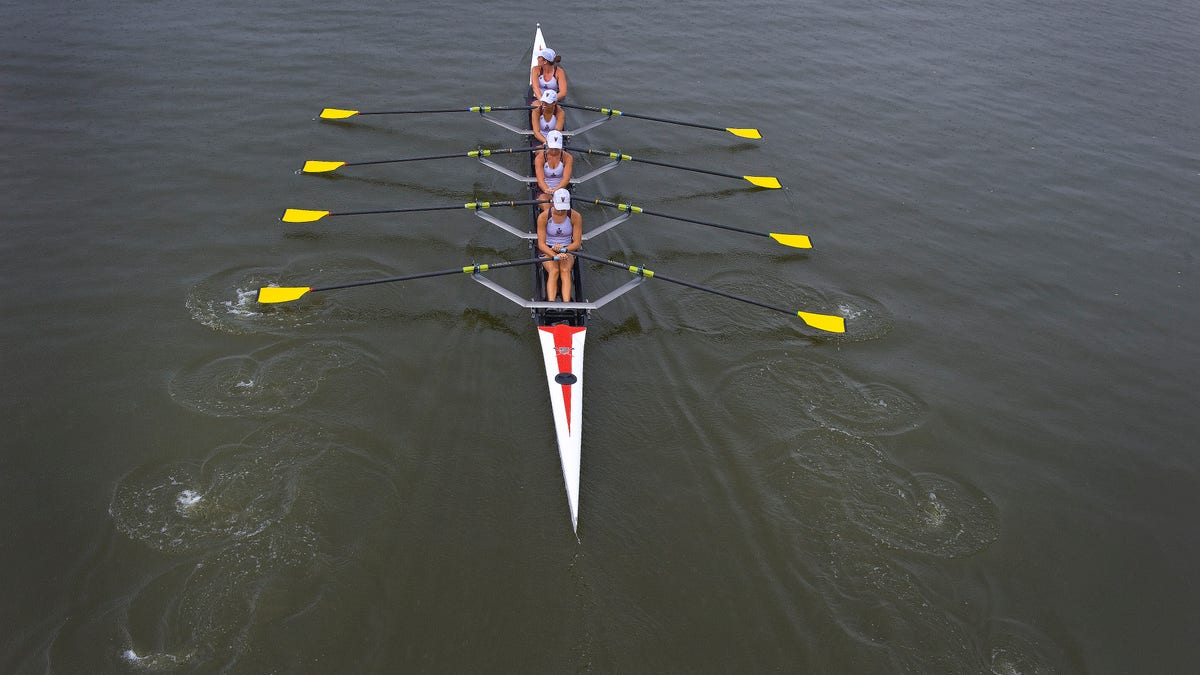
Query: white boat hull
562	351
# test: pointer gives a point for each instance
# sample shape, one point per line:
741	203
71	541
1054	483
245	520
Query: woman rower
547	115
553	166
559	231
547	75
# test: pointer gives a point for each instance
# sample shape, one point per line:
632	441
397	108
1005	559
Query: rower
547	115
553	166
559	231
547	75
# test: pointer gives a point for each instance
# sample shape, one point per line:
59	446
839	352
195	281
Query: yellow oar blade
272	294
336	114
793	240
825	322
764	181
315	166
302	216
744	133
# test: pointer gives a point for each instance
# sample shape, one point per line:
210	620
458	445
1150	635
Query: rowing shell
561	326
561	333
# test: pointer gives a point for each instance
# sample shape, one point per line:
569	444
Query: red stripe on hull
564	351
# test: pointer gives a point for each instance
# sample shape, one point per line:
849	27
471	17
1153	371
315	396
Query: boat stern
562	351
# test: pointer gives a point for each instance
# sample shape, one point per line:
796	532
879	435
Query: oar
339	114
274	294
826	322
307	216
741	133
318	166
793	240
758	181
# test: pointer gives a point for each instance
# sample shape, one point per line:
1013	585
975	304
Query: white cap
549	96
548	54
562	199
554	139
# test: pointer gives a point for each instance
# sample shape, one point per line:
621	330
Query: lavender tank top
560	232
554	174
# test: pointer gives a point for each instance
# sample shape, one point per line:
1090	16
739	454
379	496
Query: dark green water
994	470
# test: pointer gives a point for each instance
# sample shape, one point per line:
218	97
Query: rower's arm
533	83
568	169
577	231
562	84
533	124
539	172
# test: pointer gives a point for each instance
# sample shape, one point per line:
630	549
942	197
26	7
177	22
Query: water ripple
238	492
807	394
264	382
223	597
254	527
227	301
853	510
865	319
919	513
1016	648
887	609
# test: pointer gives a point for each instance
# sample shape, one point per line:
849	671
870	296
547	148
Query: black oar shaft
637	209
626	158
469	269
474	109
620	113
407	159
469	153
471	206
643	272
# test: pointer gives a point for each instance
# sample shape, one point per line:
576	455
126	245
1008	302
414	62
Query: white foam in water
245	303
188	498
849	312
154	661
935	512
